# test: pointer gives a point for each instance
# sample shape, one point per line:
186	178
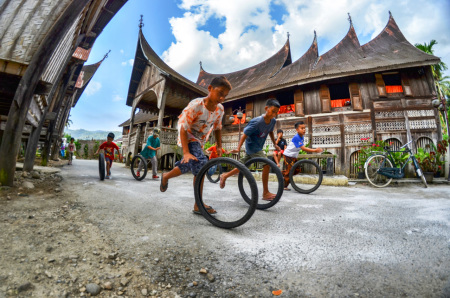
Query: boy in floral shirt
195	124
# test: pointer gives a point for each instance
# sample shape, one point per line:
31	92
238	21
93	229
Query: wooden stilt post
10	144
30	154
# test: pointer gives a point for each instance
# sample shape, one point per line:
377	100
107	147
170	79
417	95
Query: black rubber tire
134	166
251	180
275	170
292	173
218	177
101	166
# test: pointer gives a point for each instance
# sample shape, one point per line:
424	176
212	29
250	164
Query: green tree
437	69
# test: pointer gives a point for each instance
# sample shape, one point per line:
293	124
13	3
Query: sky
234	34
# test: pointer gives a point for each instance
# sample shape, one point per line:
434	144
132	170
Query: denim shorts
193	166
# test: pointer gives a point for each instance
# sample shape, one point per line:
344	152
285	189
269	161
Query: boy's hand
235	151
220	151
277	148
188	157
319	150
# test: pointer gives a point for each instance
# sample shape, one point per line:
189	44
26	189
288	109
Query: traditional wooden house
157	95
381	90
44	47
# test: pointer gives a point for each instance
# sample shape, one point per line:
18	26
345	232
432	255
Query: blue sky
234	34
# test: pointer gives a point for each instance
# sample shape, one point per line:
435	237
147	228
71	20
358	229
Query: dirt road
127	236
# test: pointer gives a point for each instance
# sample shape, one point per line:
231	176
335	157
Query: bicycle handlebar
406	145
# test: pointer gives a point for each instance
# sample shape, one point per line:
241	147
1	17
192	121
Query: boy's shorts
110	160
276	152
247	157
193	166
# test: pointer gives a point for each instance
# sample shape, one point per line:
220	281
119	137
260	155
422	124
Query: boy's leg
224	176
108	165
141	165
276	158
165	178
154	165
288	163
267	195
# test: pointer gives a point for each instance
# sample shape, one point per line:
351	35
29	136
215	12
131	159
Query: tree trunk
12	135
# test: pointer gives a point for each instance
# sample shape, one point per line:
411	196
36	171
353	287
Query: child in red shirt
109	147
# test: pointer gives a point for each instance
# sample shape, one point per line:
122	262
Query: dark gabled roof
86	74
140	117
145	54
253	78
388	51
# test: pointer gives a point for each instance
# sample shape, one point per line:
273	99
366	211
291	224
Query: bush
86	151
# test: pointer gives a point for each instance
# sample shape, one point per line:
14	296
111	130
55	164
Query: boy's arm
241	142
310	150
187	156
272	137
218	135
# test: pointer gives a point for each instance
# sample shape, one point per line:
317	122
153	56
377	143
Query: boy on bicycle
149	152
109	147
194	125
255	135
291	152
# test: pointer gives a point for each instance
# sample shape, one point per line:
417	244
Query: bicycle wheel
374	163
213	174
232	211
420	173
134	167
101	166
305	176
278	186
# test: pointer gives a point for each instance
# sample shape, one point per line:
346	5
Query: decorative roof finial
201	65
315	34
106	55
390	14
141	23
288	35
350	19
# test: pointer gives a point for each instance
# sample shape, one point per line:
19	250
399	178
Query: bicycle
380	168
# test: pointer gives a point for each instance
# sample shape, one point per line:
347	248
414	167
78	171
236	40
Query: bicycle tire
101	166
199	201
373	165
134	166
279	175
297	165
211	179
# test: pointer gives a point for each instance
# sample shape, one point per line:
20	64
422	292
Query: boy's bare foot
269	196
162	186
222	182
287	188
210	210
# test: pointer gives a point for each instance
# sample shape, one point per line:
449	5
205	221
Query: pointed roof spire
106	55
350	19
288	35
141	22
201	66
390	14
315	36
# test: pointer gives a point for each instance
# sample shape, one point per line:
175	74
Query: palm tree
437	69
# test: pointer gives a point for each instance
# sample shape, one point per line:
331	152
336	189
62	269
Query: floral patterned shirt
199	122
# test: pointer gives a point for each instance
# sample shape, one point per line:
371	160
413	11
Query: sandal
209	209
269	198
162	187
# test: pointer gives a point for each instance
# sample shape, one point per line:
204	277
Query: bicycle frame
400	171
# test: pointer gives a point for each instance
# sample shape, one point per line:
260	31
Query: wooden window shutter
299	103
406	86
381	87
249	109
355	96
325	99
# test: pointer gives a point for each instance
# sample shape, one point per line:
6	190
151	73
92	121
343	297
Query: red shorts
276	152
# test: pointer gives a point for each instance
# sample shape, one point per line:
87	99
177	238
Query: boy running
255	135
109	147
194	125
149	152
292	150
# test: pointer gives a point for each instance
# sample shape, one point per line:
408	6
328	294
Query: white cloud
117	97
92	88
128	62
121	51
251	35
